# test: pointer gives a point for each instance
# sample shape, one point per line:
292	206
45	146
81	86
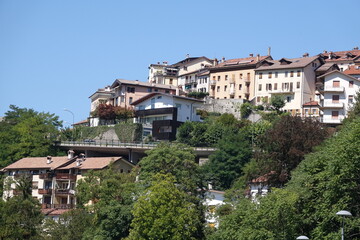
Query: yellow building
234	78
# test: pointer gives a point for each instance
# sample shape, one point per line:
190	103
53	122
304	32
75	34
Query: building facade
294	79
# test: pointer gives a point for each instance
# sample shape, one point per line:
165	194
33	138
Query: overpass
132	151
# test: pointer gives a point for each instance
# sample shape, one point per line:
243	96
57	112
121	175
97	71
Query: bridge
133	151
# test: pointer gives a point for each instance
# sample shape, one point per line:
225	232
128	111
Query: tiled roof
292	63
188	60
325	67
353	70
54	211
93	163
337	71
139	83
150	95
341	55
38	163
263	179
240	62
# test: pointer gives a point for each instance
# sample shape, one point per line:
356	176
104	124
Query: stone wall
223	106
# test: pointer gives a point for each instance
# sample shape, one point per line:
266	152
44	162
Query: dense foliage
110	112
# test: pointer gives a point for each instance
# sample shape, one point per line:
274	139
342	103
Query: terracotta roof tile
292	63
311	103
341	55
38	163
240	61
353	70
93	163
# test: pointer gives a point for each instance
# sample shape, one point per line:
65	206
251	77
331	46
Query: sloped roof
93	163
150	95
38	163
342	73
237	62
311	103
289	63
340	55
188	60
353	70
326	66
139	83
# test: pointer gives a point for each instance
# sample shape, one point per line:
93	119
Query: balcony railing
334	89
232	92
212	82
45	176
332	105
64	191
285	90
45	191
58	206
65	176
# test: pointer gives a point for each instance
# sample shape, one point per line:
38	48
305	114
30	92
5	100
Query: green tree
328	181
109	196
245	109
174	158
225	165
164	212
277	102
27	133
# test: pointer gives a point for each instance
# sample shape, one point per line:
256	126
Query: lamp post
344	214
73	117
302	238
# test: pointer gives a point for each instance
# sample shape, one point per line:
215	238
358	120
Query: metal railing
107	143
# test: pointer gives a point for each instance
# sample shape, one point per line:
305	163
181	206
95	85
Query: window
336	84
225	88
351	84
335	114
130	99
241	76
218	89
240	86
122	99
149	90
286	73
130	89
351	98
288	98
226	77
178	106
298	73
292	74
156	90
268	87
170	81
248	76
214	78
275	86
205	80
159	97
276	74
219	78
259	87
335	98
167	91
270	75
298	85
185	68
260	75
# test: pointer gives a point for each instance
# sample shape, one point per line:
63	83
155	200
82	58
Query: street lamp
73	117
302	238
344	214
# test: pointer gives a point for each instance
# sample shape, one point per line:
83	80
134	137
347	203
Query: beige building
54	179
294	79
234	78
163	74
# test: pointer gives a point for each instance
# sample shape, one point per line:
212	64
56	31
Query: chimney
187	55
158	63
306	55
216	62
49	159
82	156
251	54
70	154
356	48
78	162
269	51
325	51
223	59
258	57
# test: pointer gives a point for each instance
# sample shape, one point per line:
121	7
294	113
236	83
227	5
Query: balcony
332	105
282	91
232	81
45	176
213	82
333	89
58	206
65	176
64	191
247	80
331	120
232	92
157	111
45	191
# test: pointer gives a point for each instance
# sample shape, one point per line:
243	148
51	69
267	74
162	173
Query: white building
161	114
337	93
294	79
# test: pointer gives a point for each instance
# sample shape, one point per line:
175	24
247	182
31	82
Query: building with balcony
54	179
294	79
336	94
234	78
161	114
163	74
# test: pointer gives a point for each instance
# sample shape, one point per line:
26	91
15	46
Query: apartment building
294	79
123	92
161	114
54	179
163	74
337	94
234	78
343	59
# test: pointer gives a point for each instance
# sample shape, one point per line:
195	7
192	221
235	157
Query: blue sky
55	54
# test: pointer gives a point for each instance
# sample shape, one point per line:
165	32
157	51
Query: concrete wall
223	106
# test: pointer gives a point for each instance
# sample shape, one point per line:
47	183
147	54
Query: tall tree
164	212
27	133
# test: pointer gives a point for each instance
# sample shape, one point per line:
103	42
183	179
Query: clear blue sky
55	54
